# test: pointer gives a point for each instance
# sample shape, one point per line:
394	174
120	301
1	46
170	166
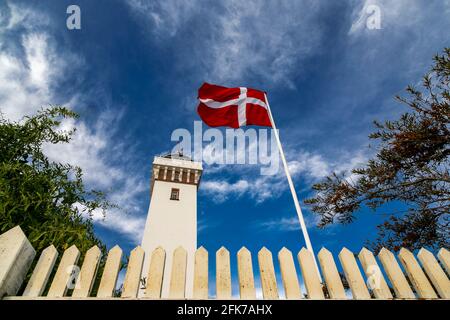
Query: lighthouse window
175	194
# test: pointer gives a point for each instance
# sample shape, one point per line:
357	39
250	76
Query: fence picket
64	273
133	275
201	274
110	273
353	275
267	274
245	275
178	276
41	273
444	258
331	275
86	277
155	274
375	279
416	274
289	274
16	256
310	276
425	275
435	273
223	274
395	274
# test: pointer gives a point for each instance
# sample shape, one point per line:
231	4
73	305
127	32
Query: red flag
232	107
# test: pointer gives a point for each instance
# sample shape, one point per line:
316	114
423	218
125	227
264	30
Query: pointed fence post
155	274
289	274
133	275
178	276
416	274
444	258
41	273
201	274
86	277
353	275
331	274
245	275
267	274
396	277
310	276
223	274
110	273
65	274
435	273
375	279
16	256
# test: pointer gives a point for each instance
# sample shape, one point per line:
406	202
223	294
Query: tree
47	199
411	166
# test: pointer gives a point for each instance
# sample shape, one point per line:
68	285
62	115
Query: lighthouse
172	214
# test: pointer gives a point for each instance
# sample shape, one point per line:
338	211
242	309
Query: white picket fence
424	278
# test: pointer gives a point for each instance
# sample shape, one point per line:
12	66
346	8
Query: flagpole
293	192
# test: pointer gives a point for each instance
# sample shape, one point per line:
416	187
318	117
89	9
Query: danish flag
232	107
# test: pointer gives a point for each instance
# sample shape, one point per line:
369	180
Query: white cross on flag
232	107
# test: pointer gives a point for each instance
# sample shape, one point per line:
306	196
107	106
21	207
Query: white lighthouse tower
172	214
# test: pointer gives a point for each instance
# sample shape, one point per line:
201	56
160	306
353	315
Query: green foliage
411	166
47	199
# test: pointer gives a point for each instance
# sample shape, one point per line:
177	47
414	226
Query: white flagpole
293	192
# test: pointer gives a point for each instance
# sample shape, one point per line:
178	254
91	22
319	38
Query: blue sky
133	70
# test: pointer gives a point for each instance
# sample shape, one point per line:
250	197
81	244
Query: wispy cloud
29	78
20	15
221	190
281	224
309	168
165	17
243	39
394	14
291	223
90	149
204	224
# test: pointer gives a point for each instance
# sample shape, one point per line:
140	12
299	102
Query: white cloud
19	15
360	15
221	190
29	78
39	57
317	168
309	168
116	220
240	39
244	44
281	224
165	16
204	224
393	14
25	82
87	149
90	149
291	223
312	164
